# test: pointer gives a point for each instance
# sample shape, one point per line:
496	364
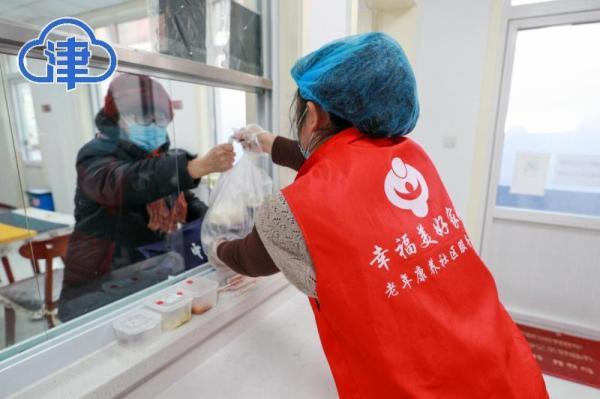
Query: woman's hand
253	135
218	159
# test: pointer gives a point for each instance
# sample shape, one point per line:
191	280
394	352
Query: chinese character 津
70	57
440	226
380	258
405	247
67	59
426	240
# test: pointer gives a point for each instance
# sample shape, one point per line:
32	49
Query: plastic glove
212	256
254	138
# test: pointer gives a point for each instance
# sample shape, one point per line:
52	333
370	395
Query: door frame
553	13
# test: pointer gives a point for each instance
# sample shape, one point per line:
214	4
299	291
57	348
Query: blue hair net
365	79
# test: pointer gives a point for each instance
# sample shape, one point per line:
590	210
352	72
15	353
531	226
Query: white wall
324	21
450	53
448	47
402	25
451	50
287	43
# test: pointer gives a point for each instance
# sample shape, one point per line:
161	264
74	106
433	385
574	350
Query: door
541	234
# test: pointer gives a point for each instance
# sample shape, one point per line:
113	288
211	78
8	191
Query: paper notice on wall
530	173
577	170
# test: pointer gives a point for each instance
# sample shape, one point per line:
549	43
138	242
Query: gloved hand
254	138
212	256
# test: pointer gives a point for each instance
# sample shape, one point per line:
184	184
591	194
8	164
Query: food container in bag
175	307
138	328
203	292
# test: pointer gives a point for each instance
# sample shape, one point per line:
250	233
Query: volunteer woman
404	306
131	190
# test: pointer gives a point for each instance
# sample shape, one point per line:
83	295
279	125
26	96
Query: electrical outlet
449	142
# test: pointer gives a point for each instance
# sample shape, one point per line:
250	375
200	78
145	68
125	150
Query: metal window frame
12	37
517	18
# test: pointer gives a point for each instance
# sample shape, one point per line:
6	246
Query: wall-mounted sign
530	173
577	170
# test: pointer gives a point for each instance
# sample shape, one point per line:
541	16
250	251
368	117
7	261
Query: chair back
55	247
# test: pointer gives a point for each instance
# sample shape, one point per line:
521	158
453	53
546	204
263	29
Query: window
222	33
115	257
551	152
25	122
138	258
134	34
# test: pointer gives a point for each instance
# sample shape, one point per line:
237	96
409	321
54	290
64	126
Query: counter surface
280	357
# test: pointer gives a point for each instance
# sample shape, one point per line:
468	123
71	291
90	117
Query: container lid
137	322
196	286
169	301
38	191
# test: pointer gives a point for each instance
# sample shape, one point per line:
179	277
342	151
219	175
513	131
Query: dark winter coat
115	181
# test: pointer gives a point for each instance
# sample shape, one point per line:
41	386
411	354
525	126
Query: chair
7	269
20	293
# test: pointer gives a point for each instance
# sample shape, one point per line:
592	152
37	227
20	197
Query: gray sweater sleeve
283	240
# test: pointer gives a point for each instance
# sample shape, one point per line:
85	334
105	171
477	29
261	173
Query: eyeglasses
160	118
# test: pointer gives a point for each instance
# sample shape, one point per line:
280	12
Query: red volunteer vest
406	308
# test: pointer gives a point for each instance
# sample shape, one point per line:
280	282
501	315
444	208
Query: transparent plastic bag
234	201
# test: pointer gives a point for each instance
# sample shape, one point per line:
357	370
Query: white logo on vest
406	188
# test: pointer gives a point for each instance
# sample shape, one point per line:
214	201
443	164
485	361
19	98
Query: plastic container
138	328
175	308
203	292
41	198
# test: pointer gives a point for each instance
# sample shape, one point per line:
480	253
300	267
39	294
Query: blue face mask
305	153
148	137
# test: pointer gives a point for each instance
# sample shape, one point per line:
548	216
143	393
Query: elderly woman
404	306
131	189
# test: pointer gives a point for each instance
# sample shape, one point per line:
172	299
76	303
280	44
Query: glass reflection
133	190
222	33
112	191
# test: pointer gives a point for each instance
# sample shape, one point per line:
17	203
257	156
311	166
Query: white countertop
268	348
280	356
114	370
49	216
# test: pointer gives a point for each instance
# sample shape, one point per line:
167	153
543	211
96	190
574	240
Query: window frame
517	18
33	354
12	89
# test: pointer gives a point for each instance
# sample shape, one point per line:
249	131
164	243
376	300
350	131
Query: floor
561	389
26	326
282	354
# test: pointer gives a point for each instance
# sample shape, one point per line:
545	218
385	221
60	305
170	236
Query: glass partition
222	33
109	199
22	319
